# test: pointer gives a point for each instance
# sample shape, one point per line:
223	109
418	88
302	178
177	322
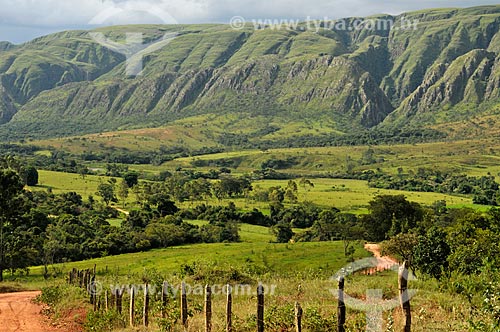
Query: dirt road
19	314
383	262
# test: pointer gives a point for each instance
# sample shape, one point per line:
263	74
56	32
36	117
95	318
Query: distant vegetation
458	247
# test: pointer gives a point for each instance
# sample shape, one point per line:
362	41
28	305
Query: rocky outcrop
443	62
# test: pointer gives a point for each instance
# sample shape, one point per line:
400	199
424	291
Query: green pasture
248	233
60	182
279	259
347	195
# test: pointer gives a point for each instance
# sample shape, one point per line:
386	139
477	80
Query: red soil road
382	261
18	313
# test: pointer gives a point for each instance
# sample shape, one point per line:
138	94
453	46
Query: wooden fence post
404	296
132	306
341	307
92	289
164	299
80	277
118	299
298	317
106	300
184	310
229	308
93	293
145	313
260	308
208	308
87	280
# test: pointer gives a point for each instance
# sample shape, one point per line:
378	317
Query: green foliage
51	295
315	322
483	188
471	246
403	246
279	318
104	321
283	232
391	215
107	192
131	178
30	176
15	253
482	292
209	272
431	253
62	297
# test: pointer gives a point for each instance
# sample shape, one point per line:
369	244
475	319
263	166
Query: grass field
61	182
472	157
280	259
280	266
248	233
348	195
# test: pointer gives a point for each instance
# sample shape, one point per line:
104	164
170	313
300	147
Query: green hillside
268	80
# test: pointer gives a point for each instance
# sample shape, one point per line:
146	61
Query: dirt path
19	314
121	210
383	262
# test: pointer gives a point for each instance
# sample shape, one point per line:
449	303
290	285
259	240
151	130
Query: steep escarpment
414	70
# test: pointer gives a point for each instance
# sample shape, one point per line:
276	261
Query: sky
23	20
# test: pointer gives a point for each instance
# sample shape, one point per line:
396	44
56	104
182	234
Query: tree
218	191
292	185
123	192
306	184
229	186
164	204
349	230
401	245
368	157
290	196
276	195
107	192
326	227
283	232
164	235
431	253
30	176
10	211
131	178
391	215
230	233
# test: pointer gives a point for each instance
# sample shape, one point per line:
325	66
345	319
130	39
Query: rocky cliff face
358	79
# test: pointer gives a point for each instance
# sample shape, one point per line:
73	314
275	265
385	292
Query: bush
101	321
280	318
314	322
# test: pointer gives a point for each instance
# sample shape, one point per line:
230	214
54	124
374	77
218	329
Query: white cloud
49	15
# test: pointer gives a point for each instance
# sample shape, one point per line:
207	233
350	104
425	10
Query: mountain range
444	70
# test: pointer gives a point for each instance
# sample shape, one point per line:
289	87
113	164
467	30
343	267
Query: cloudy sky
22	20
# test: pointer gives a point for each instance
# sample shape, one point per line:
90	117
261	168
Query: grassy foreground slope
281	266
